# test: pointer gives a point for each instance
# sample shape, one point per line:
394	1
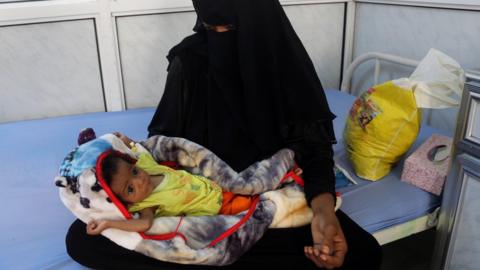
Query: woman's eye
135	171
130	190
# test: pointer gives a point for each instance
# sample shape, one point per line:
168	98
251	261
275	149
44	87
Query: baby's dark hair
110	167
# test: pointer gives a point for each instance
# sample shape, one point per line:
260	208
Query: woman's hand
96	227
330	246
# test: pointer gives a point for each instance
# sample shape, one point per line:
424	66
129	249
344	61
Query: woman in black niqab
260	78
245	90
249	90
262	68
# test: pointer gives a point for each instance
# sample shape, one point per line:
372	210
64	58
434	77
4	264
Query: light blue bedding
34	223
34	220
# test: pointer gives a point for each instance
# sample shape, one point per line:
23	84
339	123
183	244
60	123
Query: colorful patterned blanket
202	240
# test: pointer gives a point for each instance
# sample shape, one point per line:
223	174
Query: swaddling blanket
207	240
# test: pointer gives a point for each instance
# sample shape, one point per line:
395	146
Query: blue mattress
35	222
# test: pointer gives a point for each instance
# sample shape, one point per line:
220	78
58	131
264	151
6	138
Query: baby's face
130	183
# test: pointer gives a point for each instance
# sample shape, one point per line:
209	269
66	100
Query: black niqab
259	76
218	12
262	67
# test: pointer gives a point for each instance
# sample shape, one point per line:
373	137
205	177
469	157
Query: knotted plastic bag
385	120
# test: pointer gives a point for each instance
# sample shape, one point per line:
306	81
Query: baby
153	190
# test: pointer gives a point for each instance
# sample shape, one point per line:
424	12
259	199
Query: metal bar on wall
348	37
109	58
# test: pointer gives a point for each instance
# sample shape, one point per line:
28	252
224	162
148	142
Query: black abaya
245	94
250	91
277	249
281	248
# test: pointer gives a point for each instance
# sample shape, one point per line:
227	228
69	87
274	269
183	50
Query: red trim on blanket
119	204
103	183
171	235
231	230
294	176
237	225
166	236
171	164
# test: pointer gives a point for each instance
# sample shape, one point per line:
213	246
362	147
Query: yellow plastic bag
385	120
382	125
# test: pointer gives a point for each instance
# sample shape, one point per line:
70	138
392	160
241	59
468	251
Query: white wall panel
320	27
49	69
144	42
410	32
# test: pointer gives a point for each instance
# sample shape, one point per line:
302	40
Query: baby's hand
95	227
298	171
124	138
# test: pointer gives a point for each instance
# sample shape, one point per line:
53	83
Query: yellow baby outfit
180	193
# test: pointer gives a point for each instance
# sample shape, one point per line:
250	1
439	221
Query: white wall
144	42
410	32
63	57
117	49
320	27
49	69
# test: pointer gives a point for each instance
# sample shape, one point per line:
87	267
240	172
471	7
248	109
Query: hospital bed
34	223
389	209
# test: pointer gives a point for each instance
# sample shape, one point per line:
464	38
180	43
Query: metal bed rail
379	57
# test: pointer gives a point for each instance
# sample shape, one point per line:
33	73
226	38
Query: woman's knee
78	244
72	241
